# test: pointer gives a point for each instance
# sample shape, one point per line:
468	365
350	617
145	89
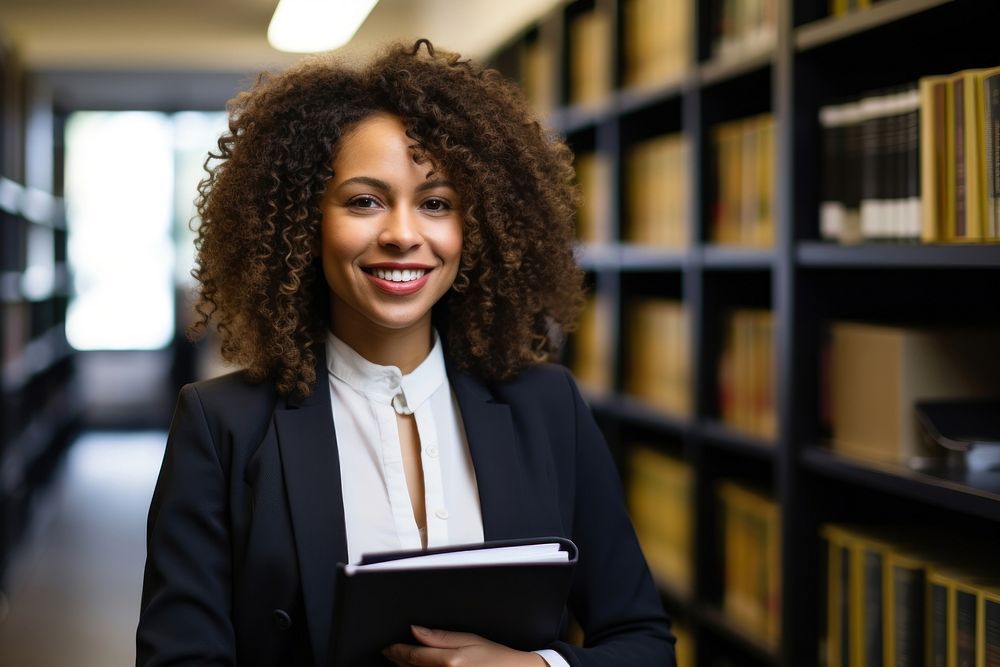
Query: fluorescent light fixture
306	26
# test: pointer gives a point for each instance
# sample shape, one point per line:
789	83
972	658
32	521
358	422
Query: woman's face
391	234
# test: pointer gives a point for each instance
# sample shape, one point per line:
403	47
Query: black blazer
246	523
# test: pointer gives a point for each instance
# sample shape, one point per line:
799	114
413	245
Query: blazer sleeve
613	598
186	592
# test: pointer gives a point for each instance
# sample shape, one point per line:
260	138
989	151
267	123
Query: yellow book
592	357
975	155
593	177
838	611
660	500
933	157
590	57
752	543
989	626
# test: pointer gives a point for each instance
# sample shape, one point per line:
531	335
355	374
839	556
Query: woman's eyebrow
376	183
436	183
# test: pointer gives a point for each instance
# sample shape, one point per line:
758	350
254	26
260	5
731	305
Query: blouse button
432	451
441	514
282	619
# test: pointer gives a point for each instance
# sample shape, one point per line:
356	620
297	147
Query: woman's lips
398	288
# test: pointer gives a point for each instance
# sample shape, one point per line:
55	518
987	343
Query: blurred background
108	111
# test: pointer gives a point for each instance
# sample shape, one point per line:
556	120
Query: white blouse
378	513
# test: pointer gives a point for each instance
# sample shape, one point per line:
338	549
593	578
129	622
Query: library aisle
74	584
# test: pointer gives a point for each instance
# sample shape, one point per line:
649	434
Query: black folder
517	605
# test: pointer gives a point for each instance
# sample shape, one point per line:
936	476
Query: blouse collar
387	384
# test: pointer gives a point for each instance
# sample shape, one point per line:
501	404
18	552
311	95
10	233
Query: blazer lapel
311	468
506	496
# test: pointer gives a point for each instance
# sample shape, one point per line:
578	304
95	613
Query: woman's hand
441	648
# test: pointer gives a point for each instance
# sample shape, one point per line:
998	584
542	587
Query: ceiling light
306	26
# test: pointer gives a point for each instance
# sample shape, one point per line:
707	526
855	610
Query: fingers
440	647
446	638
409	655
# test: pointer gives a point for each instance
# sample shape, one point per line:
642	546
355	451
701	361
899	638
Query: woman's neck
404	348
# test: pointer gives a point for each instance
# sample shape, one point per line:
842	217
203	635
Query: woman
387	252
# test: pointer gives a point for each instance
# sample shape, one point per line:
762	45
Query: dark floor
74	584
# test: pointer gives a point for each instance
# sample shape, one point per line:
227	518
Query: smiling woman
388	252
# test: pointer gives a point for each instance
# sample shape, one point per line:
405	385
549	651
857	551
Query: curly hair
261	280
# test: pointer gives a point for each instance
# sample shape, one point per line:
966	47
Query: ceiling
229	35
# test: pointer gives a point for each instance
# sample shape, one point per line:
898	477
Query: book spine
958	139
908	585
965	629
913	183
937	622
991	631
872	640
991	90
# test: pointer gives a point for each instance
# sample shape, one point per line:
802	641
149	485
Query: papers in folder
512	592
549	552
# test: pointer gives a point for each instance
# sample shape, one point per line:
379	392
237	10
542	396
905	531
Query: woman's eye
436	205
363	202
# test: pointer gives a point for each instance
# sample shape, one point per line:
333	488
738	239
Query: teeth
399	276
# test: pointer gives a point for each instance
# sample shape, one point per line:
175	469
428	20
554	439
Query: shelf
718	70
641	413
33	205
734	631
631	257
976	494
634	257
24	451
598	256
15	289
718	434
37	357
828	30
829	255
736	258
642	97
582	116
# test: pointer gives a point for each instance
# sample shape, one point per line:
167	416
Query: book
512	592
661	504
991	130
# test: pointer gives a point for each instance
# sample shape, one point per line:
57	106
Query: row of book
743	27
874	376
538	76
593	173
590	57
657	45
751	534
659	355
657	197
747	374
916	164
909	598
661	504
960	157
592	347
743	209
871	168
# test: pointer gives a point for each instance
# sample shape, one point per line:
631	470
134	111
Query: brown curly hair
260	275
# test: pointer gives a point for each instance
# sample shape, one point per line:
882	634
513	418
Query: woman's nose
401	229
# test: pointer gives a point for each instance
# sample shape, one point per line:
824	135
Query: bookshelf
39	411
807	60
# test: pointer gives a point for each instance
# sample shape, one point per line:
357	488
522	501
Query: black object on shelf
968	431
